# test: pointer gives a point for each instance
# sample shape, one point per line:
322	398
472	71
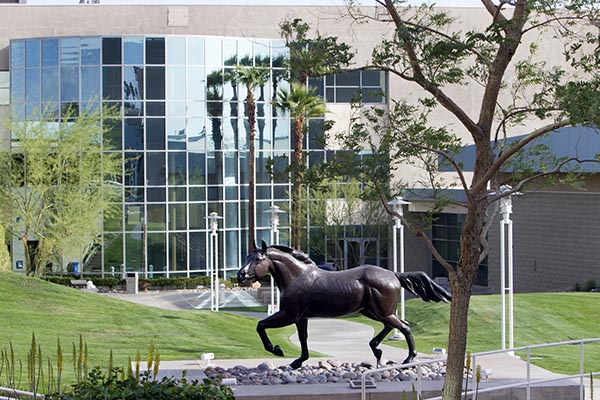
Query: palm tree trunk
297	180
250	108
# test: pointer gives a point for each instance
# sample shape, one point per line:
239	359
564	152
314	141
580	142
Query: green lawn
539	318
51	311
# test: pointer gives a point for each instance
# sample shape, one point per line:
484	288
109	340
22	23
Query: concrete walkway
338	339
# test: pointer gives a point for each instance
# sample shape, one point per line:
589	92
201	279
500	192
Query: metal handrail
8	393
527	383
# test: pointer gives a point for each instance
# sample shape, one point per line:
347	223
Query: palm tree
251	77
302	103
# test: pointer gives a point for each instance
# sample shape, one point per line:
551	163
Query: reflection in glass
176	50
177	168
177	217
245	52
17	54
69	51
134	134
32	53
261	53
196	88
111	83
50	52
176	83
113	252
195	51
90	83
133	50
155	134
90	51
157	253
230	52
156	195
134	217
134	256
231	168
197	244
155	169
176	108
114	221
69	84
134	169
178	251
232	249
196	168
196	134
177	194
176	133
113	134
133	83
231	215
197	193
157	217
33	85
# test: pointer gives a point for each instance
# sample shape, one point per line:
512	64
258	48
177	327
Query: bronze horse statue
310	292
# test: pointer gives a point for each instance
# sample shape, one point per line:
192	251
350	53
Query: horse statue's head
257	265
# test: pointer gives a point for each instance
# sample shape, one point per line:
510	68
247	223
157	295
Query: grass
53	312
538	318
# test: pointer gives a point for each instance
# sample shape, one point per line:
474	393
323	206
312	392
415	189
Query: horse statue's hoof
296	364
277	351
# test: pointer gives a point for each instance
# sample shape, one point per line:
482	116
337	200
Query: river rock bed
330	371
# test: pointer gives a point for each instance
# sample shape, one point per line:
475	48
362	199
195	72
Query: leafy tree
252	78
309	57
508	95
55	190
5	263
301	103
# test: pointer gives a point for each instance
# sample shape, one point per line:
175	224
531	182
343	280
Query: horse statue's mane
298	255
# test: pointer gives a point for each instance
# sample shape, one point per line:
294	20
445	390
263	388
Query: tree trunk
250	108
297	180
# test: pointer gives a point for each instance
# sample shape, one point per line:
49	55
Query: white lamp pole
506	262
213	219
274	211
398	207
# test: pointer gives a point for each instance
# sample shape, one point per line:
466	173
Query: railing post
581	370
528	373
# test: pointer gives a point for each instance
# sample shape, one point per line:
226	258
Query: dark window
134	134
368	86
155	134
111	51
155	109
155	168
155	83
112	83
155	50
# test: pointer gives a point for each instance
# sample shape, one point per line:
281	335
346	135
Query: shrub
113	385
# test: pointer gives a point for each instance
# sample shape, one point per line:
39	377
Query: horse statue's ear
264	246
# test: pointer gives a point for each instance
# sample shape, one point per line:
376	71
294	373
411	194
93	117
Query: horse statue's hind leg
277	320
390	322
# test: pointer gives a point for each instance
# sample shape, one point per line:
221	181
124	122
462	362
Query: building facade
182	137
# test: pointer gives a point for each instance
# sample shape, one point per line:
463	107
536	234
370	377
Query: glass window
155	169
232	246
176	83
176	50
197	215
177	194
231	215
196	84
231	168
177	168
368	86
157	216
155	50
4	88
133	82
213	52
197	193
157	253
372	78
69	83
177	217
114	221
133	50
155	134
113	252
155	83
33	85
17	54
176	133
111	83
111	50
155	108
176	109
229	52
50	52
90	83
134	134
156	195
245	52
134	169
262	57
280	53
133	251
112	133
197	250
69	51
50	84
196	168
32	53
90	51
17	86
178	251
195	51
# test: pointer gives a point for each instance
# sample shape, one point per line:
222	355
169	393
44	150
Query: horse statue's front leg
302	327
277	320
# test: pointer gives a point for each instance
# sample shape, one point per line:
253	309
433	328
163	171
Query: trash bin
131	282
221	294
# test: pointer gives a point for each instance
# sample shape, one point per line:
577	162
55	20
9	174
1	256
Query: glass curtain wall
182	135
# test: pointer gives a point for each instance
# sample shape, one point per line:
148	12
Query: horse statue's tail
419	284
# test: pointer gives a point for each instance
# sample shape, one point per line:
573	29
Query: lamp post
398	206
506	266
213	265
274	237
